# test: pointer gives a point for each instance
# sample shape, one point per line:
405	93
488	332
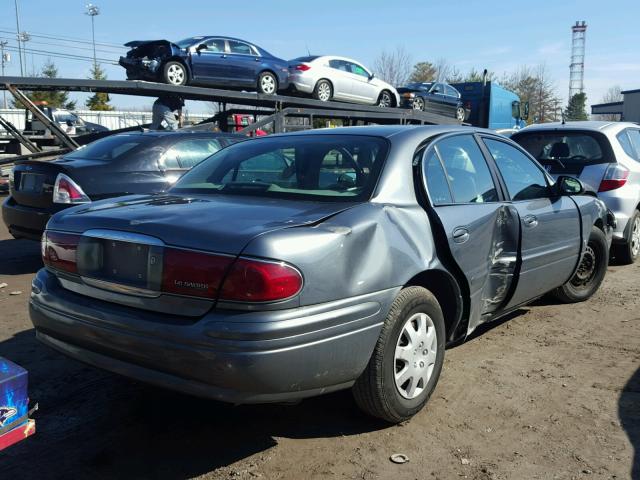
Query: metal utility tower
576	68
4	58
93	11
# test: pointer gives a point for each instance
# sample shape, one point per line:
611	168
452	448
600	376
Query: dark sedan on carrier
207	60
294	265
436	97
117	165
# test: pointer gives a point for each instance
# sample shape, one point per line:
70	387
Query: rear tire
174	73
323	91
267	83
460	114
627	252
593	266
405	366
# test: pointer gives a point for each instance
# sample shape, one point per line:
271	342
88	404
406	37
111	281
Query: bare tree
393	67
443	69
614	94
534	85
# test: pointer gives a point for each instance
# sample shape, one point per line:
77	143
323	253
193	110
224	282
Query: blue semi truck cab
492	106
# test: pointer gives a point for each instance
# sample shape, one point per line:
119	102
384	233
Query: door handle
257	59
530	221
460	235
223	56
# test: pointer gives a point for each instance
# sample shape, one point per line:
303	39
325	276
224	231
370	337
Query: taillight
614	177
251	280
191	273
59	250
302	67
66	190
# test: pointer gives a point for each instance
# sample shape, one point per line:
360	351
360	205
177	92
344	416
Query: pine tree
53	98
423	72
576	109
99	101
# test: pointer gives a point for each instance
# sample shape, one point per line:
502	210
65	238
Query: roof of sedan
593	125
389	131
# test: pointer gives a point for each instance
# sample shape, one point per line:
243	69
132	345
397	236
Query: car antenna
563	120
308	51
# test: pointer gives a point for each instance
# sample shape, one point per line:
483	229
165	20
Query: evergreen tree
53	98
423	72
99	101
576	109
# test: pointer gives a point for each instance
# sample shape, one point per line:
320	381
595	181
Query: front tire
593	266
627	253
418	104
405	366
267	83
174	73
385	100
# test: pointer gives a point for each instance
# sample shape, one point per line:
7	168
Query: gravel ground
551	392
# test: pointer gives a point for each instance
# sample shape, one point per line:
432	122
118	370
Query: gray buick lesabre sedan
298	264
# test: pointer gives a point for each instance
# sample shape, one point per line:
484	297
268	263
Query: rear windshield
318	167
304	59
109	148
568	147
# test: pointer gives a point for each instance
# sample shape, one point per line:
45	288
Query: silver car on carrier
605	156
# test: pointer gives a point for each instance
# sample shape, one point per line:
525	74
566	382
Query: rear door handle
223	56
460	235
530	221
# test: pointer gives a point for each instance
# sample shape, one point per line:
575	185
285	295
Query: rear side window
583	148
110	148
239	47
451	92
466	170
524	180
437	183
188	153
630	141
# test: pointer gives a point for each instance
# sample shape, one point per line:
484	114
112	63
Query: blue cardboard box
14	400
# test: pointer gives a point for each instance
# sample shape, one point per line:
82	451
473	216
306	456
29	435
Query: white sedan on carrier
338	78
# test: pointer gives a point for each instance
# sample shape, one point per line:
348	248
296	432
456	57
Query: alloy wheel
460	114
176	74
385	100
324	92
415	355
635	237
268	84
418	103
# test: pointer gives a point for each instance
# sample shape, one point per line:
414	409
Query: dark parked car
210	61
294	265
117	165
433	97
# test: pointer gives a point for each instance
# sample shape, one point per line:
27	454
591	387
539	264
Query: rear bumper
23	221
233	356
622	202
301	83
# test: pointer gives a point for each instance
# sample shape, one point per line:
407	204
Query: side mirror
372	76
569	186
525	114
516	110
200	47
69	123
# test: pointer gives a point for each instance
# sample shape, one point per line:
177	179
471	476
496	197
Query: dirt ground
552	392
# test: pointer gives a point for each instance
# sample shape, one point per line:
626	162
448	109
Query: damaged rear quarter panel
369	248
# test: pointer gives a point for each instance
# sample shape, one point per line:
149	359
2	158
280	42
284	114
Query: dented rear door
481	230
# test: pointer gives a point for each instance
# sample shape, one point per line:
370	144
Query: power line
69	56
52	44
66	39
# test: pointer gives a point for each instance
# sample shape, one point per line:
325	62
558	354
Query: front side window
359	70
467	170
524	180
215	45
188	153
318	167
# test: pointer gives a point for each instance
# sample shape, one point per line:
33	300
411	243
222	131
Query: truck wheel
593	266
460	114
267	83
174	73
627	252
406	363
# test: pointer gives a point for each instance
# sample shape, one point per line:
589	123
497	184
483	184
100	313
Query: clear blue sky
497	35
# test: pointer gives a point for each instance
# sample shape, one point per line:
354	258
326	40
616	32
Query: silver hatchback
605	156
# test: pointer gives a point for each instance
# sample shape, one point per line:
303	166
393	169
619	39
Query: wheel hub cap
268	84
324	92
175	74
385	100
415	355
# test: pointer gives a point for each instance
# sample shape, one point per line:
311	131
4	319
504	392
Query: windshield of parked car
318	167
187	42
564	146
109	148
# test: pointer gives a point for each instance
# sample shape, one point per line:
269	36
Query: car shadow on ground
629	413
18	257
98	425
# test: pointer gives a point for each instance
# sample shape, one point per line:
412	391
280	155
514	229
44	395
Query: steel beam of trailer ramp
223	97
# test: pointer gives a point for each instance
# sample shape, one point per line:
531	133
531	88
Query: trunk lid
33	183
213	223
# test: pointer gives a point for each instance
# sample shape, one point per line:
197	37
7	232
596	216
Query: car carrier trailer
279	113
